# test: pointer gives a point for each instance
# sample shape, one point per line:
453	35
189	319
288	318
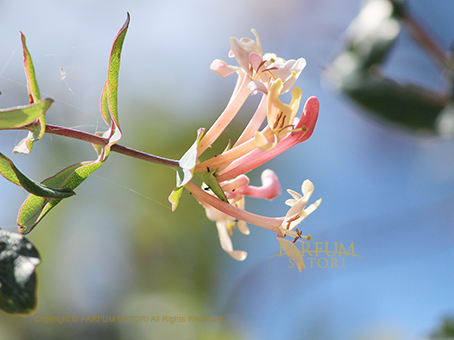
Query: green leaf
370	44
209	179
114	70
12	174
184	173
18	259
175	196
408	105
357	72
37	130
20	116
35	208
25	145
109	97
32	83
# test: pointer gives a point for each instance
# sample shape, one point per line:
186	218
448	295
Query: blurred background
117	249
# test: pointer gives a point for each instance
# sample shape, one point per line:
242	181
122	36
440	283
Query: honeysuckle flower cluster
223	194
224	181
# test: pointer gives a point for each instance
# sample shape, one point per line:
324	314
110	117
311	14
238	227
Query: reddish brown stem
88	137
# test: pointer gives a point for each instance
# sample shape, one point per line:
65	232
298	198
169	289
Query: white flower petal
222	68
242	226
294	194
313	206
291	70
298	210
291	251
255	60
261	142
226	243
258	44
255	86
307	187
269	56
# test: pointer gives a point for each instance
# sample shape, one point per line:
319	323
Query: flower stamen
271	73
230	226
303	128
278	118
286	127
295	234
298	235
260	65
294	218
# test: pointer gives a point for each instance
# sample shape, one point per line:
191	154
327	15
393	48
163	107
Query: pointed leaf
35	208
32	83
38	130
20	116
109	97
114	69
188	162
25	145
175	196
105	106
183	177
12	174
184	173
209	179
410	106
18	259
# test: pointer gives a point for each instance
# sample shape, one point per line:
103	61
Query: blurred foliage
357	71
172	257
18	259
166	253
445	329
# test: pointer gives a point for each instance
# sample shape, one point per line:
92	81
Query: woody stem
97	140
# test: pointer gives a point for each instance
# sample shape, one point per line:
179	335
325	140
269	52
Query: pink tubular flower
226	214
257	157
235	191
270	187
257	72
226	184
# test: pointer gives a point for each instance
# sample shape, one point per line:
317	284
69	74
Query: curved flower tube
223	195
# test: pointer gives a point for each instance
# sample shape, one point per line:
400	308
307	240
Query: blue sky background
388	191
